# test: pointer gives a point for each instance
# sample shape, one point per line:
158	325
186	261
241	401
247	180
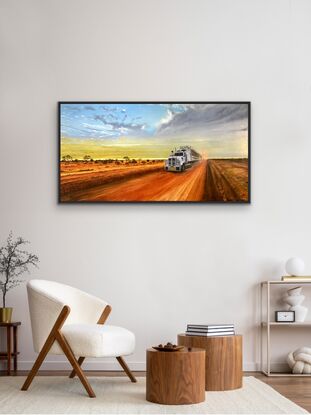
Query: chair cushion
96	340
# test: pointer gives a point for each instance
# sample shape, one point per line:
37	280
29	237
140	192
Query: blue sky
217	130
113	120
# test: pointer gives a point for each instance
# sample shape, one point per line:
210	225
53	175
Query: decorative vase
300	313
6	314
293	299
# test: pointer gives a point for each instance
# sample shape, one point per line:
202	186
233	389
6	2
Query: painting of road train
154	152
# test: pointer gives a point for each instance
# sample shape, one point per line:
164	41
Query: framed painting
174	152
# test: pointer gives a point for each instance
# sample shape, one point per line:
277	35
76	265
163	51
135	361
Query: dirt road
226	180
218	180
158	186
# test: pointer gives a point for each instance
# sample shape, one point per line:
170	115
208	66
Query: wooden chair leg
126	369
46	347
73	372
74	363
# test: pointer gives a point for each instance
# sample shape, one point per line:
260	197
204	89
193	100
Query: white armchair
68	321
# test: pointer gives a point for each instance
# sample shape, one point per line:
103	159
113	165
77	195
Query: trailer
182	158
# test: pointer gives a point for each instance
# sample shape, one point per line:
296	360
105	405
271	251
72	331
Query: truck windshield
179	154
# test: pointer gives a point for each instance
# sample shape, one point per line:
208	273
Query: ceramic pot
300	313
294	300
6	314
294	291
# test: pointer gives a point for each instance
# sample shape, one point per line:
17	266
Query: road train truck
182	158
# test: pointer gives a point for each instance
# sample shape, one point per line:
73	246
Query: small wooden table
11	351
223	369
176	378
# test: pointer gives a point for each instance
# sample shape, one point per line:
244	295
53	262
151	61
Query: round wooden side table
176	378
223	365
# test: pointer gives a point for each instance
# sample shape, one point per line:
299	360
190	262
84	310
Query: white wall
210	268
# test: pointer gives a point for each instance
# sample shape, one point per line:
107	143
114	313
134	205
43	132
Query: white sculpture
293	299
300	360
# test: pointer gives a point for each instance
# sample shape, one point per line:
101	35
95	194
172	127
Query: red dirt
212	180
227	180
157	186
80	176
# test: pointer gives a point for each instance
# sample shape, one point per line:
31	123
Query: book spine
227	333
209	330
218	326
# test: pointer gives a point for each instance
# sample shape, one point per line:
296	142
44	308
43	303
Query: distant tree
87	158
126	158
67	157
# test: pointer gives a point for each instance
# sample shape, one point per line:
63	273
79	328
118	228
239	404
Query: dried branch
14	262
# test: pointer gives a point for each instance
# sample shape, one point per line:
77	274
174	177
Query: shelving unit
274	323
267	325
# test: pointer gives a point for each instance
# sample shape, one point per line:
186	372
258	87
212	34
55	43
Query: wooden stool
9	354
176	378
223	369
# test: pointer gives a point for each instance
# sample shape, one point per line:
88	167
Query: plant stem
7	276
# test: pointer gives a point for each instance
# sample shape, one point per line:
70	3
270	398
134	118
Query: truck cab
181	158
176	161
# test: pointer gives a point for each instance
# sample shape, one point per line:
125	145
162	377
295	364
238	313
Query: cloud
166	119
69	107
204	117
120	127
97	127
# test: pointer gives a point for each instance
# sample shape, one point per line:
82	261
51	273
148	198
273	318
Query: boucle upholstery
94	340
85	337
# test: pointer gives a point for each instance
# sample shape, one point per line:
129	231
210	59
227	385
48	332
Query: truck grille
172	162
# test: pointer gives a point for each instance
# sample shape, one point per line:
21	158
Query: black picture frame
208	202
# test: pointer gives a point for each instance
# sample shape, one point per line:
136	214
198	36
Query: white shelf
283	374
267	326
275	323
286	282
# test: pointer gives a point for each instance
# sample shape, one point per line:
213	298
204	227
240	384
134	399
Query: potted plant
14	261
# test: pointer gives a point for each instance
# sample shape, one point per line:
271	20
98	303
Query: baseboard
113	365
279	367
107	365
92	365
251	367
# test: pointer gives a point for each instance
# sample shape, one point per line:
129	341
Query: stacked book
290	278
210	330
